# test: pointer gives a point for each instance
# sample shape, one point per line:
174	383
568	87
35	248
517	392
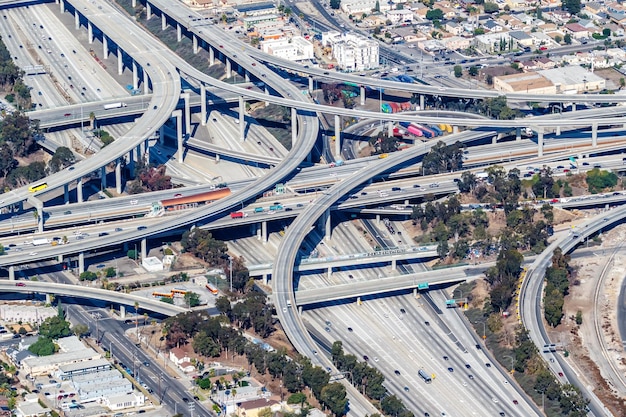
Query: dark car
365	358
142	228
450	369
467	365
396	372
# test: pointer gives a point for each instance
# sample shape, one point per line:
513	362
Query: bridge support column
415	292
76	20
422	102
81	263
327	225
135	76
494	140
267	92
540	141
455	129
79	190
558	131
264	277
122	311
60	258
393	264
40	218
594	135
120	62
187	114
194	40
337	128
162	135
378	219
264	232
300	310
573	107
518	133
12	273
310	84
62	6
203	104
163	22
242	119
146	84
105	47
390	129
338	145
329	272
148	11
48	299
118	177
66	193
246	76
90	32
294	126
133	3
358	301
179	134
211	56
229	68
362	95
144	249
103	179
179	32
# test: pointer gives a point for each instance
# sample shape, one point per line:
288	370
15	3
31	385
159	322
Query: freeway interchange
163	70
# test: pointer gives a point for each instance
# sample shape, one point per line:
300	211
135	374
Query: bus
425	376
38	187
212	289
162	294
179	291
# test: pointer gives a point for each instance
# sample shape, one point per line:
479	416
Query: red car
20	284
561	374
67	114
515	402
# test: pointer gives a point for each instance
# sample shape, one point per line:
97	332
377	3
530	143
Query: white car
134	202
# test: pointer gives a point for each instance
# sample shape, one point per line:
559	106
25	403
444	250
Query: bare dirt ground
578	339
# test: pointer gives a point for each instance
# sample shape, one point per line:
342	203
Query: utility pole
230	268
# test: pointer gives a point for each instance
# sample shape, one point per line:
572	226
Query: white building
400	16
152	264
352	52
294	49
15	313
363	6
119	402
30	407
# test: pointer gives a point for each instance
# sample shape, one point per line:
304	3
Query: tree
335	4
458	71
62	158
473	70
205	345
567	38
132	254
392	406
315	378
43	347
579	317
491	7
434	14
297	398
333	396
223	305
192	299
110	272
54	327
80	330
201	243
572	6
88	276
598	180
7	162
467	183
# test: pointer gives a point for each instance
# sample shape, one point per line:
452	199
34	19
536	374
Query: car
254	64
396	372
263	75
221	46
560	167
561	374
178	195
299	205
142	228
406	389
403	311
502	414
20	284
585	164
375	358
477	346
102	234
450	369
488	365
468	366
327	329
470	376
67	114
365	358
134	202
515	402
350	329
118	229
66	212
427	323
71	168
445	358
288	209
32	254
495	400
154	107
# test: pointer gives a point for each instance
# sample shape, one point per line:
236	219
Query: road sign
422	286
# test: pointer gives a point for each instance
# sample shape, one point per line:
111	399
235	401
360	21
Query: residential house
181	359
255	407
616	30
517	4
526	19
453	28
593	8
456	43
576	30
492	26
400	16
493	42
522	39
558	16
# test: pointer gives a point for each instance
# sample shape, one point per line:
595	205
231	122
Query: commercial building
19	313
570	79
71	351
30	407
352	52
363	6
119	402
73	370
152	264
293	49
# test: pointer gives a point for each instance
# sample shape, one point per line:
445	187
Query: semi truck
115	105
41	241
238	215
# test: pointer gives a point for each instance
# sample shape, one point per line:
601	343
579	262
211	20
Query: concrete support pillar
120	62
494	140
327	225
103	180
264	232
390	129
421	102
378	219
179	134
310	84
40	218
203	104
79	190
362	95
329	272
66	193
294	126
179	32
90	32
518	133
161	135
558	130
242	119
48	299
338	145
229	68
144	248
163	22
122	311
148	11
337	127
211	56
81	263
540	141
76	20
60	258
12	273
105	47
118	176
264	277
594	135
187	114
194	40
455	129
62	6
573	107
246	76
146	84
135	76
415	292
358	301
217	158
393	264
133	3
